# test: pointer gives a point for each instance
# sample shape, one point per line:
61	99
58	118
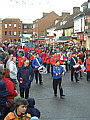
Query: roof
69	23
84	4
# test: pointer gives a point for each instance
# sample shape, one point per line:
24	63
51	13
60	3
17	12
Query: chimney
45	14
76	10
64	14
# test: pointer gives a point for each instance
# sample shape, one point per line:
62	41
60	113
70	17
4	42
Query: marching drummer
36	63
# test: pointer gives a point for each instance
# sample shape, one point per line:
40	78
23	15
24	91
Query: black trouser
66	63
57	82
74	74
38	75
88	75
52	70
48	68
24	92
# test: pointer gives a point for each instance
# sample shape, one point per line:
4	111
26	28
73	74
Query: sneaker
77	80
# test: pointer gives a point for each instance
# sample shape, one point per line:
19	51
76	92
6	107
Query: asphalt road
75	106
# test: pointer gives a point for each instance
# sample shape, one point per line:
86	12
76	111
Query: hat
31	102
3	90
34	118
15	99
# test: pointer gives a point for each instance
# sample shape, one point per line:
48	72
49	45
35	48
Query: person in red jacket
9	84
47	60
88	67
54	58
43	56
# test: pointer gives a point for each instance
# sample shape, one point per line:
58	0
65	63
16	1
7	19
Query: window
14	33
19	33
5	25
25	31
42	33
25	26
19	26
10	33
5	32
10	25
14	25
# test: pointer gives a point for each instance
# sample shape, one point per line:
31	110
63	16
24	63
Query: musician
72	63
58	71
88	67
36	63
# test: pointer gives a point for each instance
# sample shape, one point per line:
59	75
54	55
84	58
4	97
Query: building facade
40	25
11	30
0	30
27	28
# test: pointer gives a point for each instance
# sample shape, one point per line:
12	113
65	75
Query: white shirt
13	70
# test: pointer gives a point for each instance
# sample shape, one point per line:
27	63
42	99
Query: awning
60	41
66	38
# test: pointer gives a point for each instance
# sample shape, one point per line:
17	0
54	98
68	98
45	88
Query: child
31	109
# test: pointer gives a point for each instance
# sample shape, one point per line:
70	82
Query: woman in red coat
88	67
9	84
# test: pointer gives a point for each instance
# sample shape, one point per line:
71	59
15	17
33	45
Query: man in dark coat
25	77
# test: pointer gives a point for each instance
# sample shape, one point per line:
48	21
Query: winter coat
47	59
13	116
26	75
35	63
88	64
10	87
31	109
3	96
57	70
53	60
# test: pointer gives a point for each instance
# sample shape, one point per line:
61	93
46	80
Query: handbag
41	69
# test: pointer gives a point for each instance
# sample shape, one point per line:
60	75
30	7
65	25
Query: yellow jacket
13	116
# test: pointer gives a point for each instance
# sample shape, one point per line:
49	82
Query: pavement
75	106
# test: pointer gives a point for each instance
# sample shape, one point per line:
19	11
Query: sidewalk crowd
20	66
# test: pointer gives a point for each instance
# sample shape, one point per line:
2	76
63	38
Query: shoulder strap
74	60
38	62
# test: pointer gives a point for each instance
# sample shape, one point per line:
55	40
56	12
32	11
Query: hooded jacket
31	109
10	87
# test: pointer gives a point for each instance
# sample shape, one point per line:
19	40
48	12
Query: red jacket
43	56
10	87
54	59
47	59
88	64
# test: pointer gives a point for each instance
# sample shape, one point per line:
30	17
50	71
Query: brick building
11	29
27	28
40	25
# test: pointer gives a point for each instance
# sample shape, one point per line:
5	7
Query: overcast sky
29	10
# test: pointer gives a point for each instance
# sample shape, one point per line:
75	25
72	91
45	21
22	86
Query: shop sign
80	37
